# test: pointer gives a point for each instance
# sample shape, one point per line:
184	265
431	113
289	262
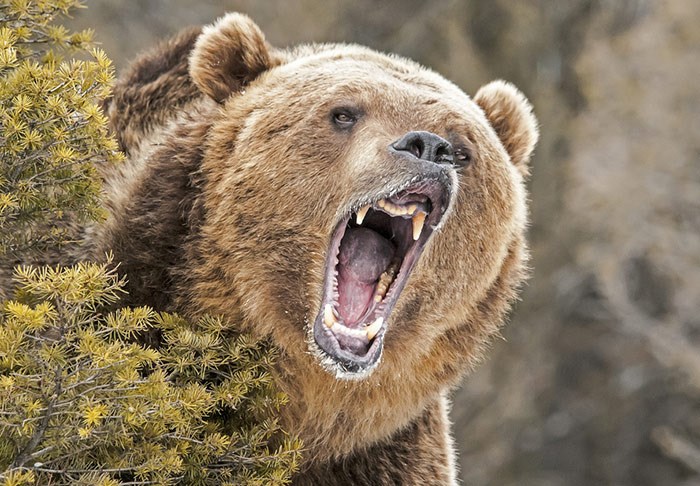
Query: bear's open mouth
372	252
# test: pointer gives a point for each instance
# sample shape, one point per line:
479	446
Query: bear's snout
424	146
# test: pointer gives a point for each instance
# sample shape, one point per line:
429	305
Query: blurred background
597	378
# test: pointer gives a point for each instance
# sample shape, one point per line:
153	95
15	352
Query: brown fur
221	72
229	199
152	90
509	113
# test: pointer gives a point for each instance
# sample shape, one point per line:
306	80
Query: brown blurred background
597	379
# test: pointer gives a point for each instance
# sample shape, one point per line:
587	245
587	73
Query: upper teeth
418	215
396	210
418	222
361	213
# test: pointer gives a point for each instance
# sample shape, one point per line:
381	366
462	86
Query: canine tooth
361	213
374	328
411	209
328	316
418	222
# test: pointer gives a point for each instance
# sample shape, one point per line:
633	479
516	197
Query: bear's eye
462	156
344	118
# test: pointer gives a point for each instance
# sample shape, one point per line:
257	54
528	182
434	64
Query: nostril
416	148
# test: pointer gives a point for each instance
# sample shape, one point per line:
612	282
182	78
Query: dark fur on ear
510	114
153	89
228	55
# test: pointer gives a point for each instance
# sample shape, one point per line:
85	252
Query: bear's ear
228	55
510	114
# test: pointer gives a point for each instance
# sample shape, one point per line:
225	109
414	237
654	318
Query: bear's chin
372	252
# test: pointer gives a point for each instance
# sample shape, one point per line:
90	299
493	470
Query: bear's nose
425	146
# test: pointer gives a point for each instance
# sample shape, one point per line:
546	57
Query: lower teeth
385	281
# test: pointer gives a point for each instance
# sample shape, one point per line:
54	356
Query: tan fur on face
467	264
234	205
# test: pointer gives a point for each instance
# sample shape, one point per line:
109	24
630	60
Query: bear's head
360	210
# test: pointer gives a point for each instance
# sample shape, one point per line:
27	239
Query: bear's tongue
364	256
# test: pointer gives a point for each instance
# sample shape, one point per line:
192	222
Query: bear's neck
335	417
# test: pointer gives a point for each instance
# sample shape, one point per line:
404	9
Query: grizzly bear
355	208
